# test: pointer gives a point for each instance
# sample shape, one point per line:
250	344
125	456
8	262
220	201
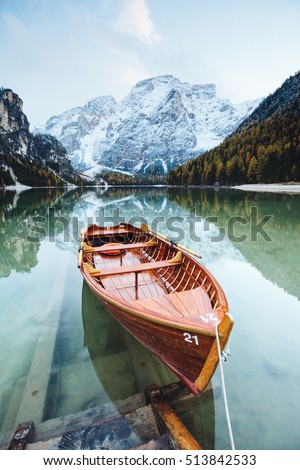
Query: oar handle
79	257
181	247
80	249
188	250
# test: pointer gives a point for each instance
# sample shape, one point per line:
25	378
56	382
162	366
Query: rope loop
224	357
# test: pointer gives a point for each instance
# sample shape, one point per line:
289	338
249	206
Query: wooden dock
142	421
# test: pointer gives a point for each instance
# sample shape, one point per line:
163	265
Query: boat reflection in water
125	367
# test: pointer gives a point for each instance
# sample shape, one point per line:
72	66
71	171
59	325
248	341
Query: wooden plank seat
109	232
135	268
120	246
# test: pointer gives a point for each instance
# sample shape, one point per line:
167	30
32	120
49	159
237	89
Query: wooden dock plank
35	391
125	424
169	422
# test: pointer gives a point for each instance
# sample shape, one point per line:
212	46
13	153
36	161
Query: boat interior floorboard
152	292
149	283
188	304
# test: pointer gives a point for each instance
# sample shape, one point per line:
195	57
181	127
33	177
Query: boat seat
109	232
121	246
135	268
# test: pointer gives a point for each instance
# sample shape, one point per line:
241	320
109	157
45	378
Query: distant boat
165	298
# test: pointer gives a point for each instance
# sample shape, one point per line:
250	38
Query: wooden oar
181	247
80	249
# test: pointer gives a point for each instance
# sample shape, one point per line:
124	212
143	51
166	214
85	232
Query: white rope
224	389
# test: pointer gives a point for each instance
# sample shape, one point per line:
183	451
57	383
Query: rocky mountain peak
161	123
12	117
26	158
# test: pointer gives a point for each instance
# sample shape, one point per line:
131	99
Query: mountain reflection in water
277	259
20	238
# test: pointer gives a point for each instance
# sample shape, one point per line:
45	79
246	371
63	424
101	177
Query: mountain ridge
161	123
265	148
281	97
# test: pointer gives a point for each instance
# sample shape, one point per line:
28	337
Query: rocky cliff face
33	160
12	118
160	124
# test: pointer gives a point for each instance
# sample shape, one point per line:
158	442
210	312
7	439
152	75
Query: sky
59	54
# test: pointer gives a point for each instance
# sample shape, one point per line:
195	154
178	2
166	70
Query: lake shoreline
257	187
271	187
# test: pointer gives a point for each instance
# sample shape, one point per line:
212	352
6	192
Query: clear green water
62	353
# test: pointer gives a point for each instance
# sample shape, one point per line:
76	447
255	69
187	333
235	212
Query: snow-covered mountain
160	124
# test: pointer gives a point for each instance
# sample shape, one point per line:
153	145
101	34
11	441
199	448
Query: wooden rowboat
161	295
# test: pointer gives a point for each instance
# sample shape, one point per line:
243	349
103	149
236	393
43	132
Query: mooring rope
224	388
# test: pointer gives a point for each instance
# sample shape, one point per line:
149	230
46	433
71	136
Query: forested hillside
117	178
264	149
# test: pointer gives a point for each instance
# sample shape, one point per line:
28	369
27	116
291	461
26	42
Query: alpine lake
61	352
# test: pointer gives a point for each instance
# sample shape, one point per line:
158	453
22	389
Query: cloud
11	24
134	19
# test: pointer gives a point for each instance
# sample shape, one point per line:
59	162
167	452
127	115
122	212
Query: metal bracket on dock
23	435
168	422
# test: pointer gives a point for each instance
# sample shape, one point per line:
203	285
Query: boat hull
177	309
185	352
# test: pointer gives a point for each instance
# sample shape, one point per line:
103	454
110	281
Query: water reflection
277	259
264	345
24	219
